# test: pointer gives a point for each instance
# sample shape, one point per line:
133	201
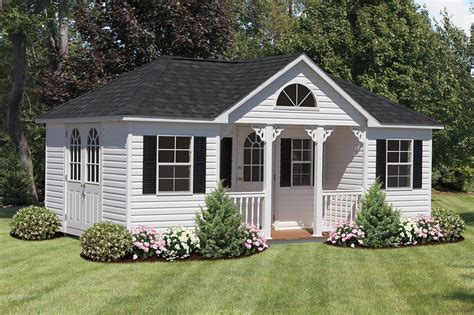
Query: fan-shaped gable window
296	95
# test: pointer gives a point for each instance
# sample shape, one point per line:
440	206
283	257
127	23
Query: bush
179	243
34	223
147	242
408	232
254	240
428	230
347	234
219	226
106	241
451	224
380	221
14	187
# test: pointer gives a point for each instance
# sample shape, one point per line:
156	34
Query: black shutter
149	165
199	166
417	163
381	161
285	162
226	162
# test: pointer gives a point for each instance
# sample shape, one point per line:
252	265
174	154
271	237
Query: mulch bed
398	247
194	257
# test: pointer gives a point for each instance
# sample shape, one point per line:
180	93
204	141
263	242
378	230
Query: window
93	156
75	155
174	164
399	163
301	162
253	158
296	95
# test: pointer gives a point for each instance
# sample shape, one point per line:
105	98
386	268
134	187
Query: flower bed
347	235
412	231
147	244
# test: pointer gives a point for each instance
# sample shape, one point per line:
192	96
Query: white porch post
319	136
268	134
361	135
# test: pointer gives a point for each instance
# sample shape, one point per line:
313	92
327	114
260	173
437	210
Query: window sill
293	108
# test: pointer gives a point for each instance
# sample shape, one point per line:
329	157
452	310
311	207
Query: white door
250	160
294	203
83	177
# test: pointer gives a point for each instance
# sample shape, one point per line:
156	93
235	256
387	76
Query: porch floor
295	236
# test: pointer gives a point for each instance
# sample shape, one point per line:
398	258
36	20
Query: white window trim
81	157
260	165
408	188
97	163
303	162
297	108
190	163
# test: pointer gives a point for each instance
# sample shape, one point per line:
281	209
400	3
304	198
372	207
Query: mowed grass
50	277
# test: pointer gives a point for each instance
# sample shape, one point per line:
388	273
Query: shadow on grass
464	297
468	217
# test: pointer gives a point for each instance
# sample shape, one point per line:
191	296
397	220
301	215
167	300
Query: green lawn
50	277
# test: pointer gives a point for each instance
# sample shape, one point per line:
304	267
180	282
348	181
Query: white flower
352	245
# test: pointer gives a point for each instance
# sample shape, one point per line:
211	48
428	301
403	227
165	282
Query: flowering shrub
147	242
451	224
254	240
179	243
347	234
106	241
34	223
428	229
408	232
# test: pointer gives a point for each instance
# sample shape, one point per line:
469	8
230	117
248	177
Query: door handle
83	186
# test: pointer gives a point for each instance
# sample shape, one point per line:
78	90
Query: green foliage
106	241
451	224
14	187
34	223
14	182
219	226
457	178
379	220
391	48
179	243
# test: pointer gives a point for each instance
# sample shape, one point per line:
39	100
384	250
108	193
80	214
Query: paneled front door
83	174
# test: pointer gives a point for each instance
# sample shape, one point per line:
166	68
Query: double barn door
83	173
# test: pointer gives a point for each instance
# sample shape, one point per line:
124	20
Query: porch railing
250	206
340	206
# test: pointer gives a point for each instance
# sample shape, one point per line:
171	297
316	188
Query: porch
294	181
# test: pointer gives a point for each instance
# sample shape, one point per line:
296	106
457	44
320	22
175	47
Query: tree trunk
63	39
11	121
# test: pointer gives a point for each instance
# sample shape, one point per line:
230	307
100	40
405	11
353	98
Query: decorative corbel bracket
261	132
313	133
359	133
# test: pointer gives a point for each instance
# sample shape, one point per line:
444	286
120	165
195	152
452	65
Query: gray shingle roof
384	110
175	87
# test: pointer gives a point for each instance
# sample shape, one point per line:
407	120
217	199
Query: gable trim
224	117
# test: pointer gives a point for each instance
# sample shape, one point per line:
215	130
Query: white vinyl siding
332	109
411	202
54	169
114	172
343	161
166	210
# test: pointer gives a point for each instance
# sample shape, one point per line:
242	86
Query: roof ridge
228	61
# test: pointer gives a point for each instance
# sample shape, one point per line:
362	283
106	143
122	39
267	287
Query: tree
120	36
20	21
219	226
379	220
391	48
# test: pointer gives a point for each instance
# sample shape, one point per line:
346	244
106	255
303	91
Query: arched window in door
93	162
75	155
253	158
